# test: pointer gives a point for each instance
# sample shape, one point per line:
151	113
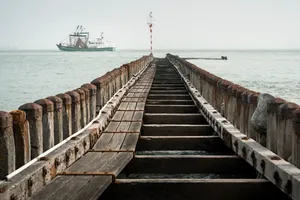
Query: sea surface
26	76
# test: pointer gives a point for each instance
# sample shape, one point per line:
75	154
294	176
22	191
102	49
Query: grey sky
189	24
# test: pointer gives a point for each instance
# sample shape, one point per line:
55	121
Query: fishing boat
80	41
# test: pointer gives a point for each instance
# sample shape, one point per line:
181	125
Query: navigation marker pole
150	27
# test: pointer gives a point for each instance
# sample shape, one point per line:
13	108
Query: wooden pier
163	140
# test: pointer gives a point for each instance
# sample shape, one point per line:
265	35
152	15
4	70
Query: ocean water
26	76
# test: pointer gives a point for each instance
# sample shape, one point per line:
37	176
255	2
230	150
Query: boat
80	41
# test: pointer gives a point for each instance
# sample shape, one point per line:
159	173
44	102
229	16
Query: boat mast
150	27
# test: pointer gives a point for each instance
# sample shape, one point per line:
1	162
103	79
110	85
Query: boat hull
66	48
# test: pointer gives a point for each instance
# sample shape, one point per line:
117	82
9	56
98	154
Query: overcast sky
188	24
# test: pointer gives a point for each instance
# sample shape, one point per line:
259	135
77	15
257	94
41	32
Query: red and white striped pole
150	27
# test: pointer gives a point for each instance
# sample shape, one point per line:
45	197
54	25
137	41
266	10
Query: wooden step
187	164
171	118
204	143
170	102
171	108
176	130
168	85
162	81
168	88
192	189
170	96
168	91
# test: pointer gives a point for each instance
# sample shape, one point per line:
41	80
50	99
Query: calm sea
26	76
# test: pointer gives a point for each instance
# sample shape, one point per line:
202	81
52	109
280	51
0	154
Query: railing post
34	116
48	123
7	144
58	118
92	90
22	137
66	114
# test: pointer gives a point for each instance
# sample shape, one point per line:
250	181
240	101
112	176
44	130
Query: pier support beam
7	144
22	137
48	123
58	119
82	107
76	112
93	89
66	114
34	116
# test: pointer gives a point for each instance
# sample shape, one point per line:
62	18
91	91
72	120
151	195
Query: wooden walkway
158	146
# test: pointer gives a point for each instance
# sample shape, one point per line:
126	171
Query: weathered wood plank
105	138
52	188
118	115
118	138
123	105
131	139
93	189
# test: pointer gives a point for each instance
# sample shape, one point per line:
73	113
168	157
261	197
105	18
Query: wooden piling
58	118
34	116
82	107
76	111
21	137
66	114
48	123
7	145
92	91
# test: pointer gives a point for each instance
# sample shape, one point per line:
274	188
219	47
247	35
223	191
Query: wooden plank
138	115
115	165
52	188
78	182
118	138
128	115
123	105
131	139
105	138
93	189
192	189
131	106
118	115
